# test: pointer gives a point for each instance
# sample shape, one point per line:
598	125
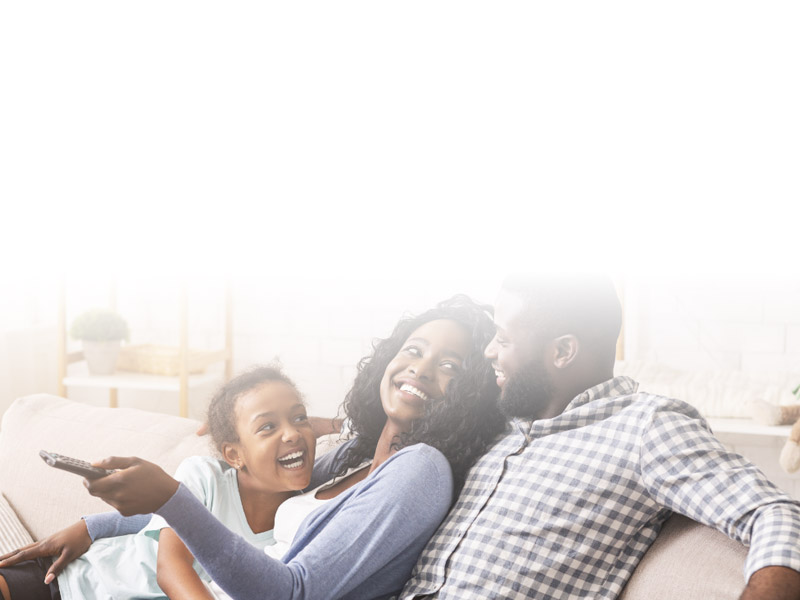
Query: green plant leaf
99	325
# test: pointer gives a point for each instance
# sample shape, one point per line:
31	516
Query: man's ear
230	452
565	350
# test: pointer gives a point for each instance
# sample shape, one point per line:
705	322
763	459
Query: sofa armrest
12	533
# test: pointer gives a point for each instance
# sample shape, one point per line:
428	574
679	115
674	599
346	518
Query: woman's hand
65	545
139	487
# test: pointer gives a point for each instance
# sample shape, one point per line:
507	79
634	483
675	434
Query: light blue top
361	544
125	566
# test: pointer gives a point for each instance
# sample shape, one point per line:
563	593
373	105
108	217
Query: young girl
259	425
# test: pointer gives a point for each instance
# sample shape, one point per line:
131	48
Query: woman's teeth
412	390
292	461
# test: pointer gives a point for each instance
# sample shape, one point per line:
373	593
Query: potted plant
100	331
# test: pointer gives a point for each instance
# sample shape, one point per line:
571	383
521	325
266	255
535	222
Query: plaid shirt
566	507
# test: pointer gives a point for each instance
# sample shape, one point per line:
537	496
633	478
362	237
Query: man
568	501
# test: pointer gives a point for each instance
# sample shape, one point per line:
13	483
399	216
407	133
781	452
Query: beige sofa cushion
46	499
689	560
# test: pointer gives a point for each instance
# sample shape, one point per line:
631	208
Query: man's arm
688	470
773	583
175	574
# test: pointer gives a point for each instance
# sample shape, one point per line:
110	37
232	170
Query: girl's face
276	445
421	370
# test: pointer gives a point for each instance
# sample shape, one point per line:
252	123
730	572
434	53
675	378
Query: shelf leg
62	338
112	398
183	407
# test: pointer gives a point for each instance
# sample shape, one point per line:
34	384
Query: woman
421	406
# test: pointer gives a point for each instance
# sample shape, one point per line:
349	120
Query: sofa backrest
689	561
47	499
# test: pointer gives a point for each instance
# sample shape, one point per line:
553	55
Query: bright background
345	162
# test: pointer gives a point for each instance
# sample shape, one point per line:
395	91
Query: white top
288	518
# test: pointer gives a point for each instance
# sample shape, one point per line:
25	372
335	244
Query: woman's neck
260	506
384	449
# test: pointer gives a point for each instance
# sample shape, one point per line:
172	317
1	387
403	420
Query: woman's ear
232	456
566	349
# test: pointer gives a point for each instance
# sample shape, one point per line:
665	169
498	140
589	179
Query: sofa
687	561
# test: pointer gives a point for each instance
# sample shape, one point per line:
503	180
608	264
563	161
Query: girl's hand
65	545
139	487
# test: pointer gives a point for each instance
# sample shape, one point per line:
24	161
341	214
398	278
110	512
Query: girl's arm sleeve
381	528
112	524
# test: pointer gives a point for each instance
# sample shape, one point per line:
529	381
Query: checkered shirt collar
618	386
615	387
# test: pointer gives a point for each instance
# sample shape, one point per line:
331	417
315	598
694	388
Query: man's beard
526	394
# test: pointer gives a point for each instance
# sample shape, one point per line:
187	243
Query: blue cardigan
361	544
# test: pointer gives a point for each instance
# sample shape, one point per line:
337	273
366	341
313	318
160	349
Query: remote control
73	465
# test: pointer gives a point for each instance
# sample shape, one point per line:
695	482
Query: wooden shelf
748	427
123	380
140	381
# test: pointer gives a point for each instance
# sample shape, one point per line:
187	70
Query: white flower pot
101	357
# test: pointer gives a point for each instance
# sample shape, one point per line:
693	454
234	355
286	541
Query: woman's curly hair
461	425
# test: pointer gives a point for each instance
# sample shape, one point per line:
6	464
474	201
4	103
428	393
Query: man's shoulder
640	407
656	403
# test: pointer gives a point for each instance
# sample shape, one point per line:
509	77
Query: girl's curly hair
461	425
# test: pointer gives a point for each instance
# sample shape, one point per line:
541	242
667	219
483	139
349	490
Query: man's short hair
586	306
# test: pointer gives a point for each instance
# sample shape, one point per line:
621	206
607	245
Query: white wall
319	328
724	341
746	324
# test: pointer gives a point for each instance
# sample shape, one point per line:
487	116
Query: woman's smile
411	393
419	373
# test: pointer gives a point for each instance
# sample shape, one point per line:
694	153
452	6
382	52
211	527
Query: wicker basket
160	360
